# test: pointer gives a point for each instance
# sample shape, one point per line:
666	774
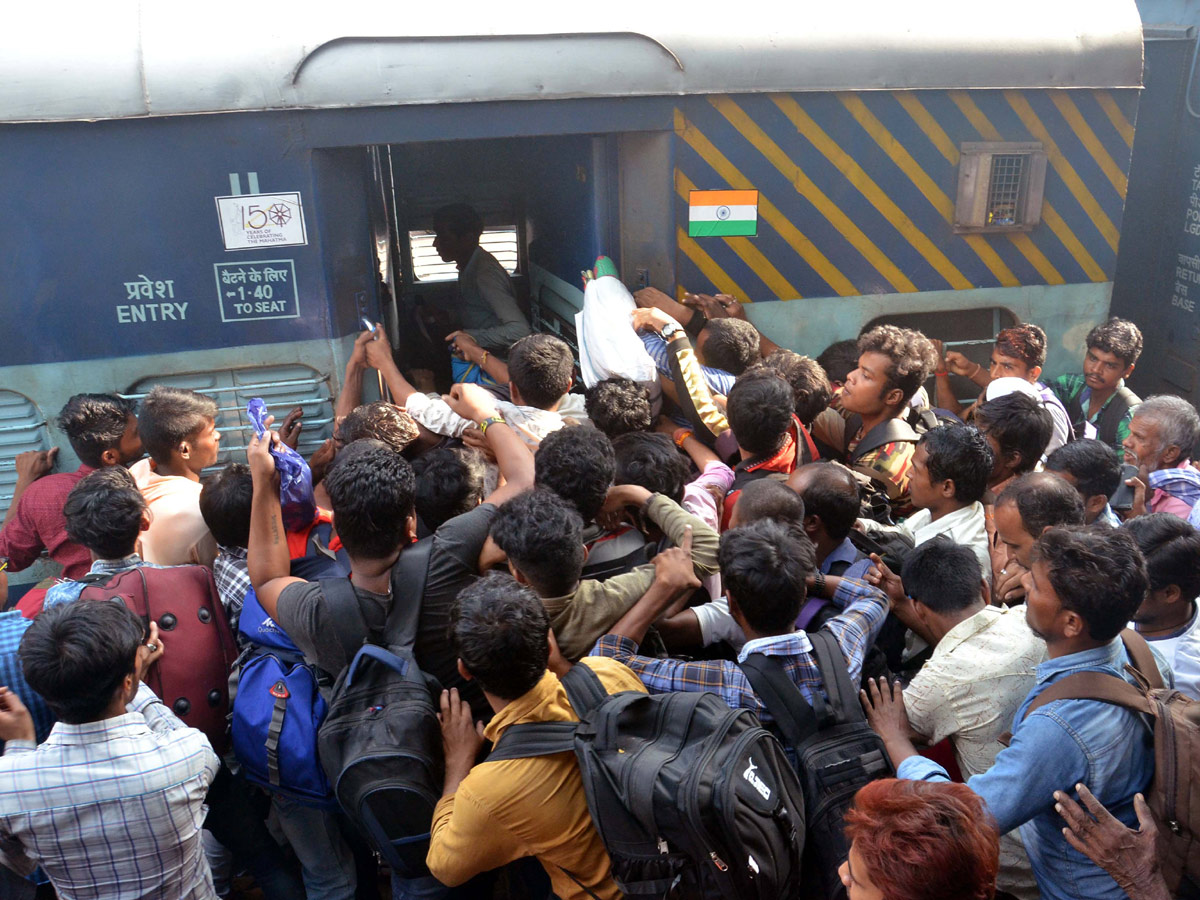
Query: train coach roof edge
125	59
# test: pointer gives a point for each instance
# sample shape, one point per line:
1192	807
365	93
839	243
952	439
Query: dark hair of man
731	344
1019	424
94	423
1171	548
961	454
542	535
578	464
943	575
619	406
501	633
767	498
811	391
541	367
380	421
459	219
371	488
831	495
76	655
839	359
1043	500
912	356
170	416
104	512
763	567
759	408
225	505
1092	463
1098	574
651	460
450	482
1026	342
1117	336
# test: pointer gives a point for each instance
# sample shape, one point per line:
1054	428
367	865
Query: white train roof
76	60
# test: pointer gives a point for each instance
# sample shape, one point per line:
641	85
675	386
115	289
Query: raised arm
379	355
726	306
267	556
352	382
470	401
673	576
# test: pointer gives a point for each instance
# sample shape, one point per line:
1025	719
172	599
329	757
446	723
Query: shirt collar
792	644
968	628
535	705
237	552
1108	656
109	566
125	725
843	552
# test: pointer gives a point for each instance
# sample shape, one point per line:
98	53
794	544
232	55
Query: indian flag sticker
722	213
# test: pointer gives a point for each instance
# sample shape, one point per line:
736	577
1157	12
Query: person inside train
102	429
1019	352
179	430
1096	399
488	309
1163	435
868	429
1091	466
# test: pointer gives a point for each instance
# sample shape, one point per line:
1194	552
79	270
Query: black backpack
691	798
380	743
1109	419
836	753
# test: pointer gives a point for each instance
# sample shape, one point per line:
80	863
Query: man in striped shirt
112	804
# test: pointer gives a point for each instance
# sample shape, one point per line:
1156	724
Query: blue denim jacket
1064	743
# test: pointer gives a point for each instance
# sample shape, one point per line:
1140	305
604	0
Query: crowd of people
965	557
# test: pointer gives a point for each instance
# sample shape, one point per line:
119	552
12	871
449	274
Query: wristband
490	421
940	373
680	435
695	324
819	583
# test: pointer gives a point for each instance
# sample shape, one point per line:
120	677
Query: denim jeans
325	859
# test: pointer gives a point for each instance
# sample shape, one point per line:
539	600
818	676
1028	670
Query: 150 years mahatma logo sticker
255	221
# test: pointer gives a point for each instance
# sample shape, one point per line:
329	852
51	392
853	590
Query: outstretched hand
1130	857
258	454
882	577
462	737
674	569
16	724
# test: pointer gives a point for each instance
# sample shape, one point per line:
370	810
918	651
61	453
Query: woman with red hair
920	840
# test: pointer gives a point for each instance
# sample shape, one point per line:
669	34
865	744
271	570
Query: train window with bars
428	266
282	387
22	427
1000	187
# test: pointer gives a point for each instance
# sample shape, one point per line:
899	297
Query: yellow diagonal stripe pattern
875	195
935	195
708	266
1050	216
1084	132
938	137
750	254
1064	168
1119	122
805	186
767	211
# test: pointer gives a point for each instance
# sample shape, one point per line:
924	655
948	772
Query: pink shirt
177	534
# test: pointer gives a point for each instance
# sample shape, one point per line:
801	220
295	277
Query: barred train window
428	266
1000	187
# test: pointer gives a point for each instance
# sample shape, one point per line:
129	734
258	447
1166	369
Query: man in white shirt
947	480
112	804
541	369
982	667
489	310
1168	617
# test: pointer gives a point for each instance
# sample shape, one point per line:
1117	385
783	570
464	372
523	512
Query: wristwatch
490	421
671	329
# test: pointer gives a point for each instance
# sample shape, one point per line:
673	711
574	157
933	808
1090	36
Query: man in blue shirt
1082	589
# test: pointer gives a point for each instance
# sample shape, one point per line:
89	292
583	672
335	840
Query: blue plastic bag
295	478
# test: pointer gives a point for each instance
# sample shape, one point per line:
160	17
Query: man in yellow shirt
497	812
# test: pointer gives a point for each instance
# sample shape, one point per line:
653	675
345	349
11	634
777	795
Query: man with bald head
1029	506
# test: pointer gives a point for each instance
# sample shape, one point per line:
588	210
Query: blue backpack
277	704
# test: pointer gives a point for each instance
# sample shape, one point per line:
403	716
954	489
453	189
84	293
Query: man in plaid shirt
766	568
112	804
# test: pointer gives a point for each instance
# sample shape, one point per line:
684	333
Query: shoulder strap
534	739
408	588
95	578
348	622
891	431
1141	657
584	689
1092	686
792	712
1110	417
836	677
